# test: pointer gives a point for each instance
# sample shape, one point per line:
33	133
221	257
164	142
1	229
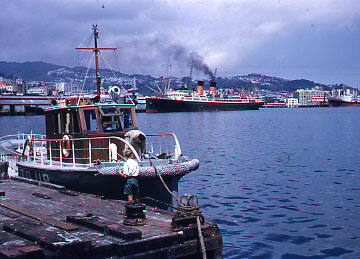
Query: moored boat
84	147
340	102
344	97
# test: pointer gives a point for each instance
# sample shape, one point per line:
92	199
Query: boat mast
97	51
98	78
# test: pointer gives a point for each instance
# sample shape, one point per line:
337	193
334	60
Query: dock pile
44	220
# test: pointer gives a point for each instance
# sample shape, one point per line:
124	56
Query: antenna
167	75
190	76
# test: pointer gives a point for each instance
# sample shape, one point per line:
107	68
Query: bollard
134	215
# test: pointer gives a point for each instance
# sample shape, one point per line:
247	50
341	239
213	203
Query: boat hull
155	105
91	181
341	103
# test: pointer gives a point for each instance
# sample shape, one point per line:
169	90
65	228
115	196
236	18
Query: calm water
280	183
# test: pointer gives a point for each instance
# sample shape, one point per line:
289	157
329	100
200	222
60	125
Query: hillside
41	71
29	71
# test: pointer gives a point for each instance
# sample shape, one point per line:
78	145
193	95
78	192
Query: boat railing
162	145
83	152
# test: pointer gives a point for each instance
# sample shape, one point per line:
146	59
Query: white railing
72	153
160	144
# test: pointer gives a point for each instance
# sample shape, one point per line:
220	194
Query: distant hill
29	71
267	82
41	71
3	75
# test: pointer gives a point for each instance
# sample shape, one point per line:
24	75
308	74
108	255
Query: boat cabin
70	122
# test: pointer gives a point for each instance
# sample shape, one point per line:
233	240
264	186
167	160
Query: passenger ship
187	100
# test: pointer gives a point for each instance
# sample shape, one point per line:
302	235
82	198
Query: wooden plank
68	192
108	226
54	239
42	218
12	246
38	183
41	195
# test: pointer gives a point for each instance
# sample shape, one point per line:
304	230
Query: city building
292	102
310	97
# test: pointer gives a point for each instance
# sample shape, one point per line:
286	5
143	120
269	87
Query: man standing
130	172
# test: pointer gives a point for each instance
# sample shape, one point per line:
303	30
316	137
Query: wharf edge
45	220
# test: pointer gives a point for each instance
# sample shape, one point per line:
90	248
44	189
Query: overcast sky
294	39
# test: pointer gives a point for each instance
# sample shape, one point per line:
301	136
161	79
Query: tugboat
84	148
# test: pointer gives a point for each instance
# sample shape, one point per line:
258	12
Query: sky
293	39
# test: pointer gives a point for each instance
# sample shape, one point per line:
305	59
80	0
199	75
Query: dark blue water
280	183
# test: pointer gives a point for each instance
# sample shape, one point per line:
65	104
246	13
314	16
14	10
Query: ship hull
341	103
156	105
90	181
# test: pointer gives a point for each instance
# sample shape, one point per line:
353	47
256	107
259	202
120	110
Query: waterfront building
292	102
310	97
38	91
7	88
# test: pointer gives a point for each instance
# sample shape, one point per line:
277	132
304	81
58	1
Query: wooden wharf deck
40	220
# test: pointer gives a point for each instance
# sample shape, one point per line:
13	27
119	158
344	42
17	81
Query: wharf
47	221
12	105
24	105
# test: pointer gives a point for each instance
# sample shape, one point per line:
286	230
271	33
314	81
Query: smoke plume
181	55
149	51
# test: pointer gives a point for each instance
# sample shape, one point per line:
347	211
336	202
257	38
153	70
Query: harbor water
280	183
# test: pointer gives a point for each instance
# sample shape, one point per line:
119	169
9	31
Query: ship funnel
200	87
212	87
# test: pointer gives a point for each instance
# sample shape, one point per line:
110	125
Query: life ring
65	146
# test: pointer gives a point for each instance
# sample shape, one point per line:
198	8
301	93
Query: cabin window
90	120
126	118
110	119
57	123
75	122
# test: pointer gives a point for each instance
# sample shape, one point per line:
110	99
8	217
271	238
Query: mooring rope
163	182
196	211
201	238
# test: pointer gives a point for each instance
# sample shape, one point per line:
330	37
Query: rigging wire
158	88
152	89
117	62
87	72
88	39
121	85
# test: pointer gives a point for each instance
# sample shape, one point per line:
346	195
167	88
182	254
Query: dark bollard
135	215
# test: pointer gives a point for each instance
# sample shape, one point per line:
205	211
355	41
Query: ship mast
97	51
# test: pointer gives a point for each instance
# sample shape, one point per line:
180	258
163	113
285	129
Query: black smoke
154	50
181	54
